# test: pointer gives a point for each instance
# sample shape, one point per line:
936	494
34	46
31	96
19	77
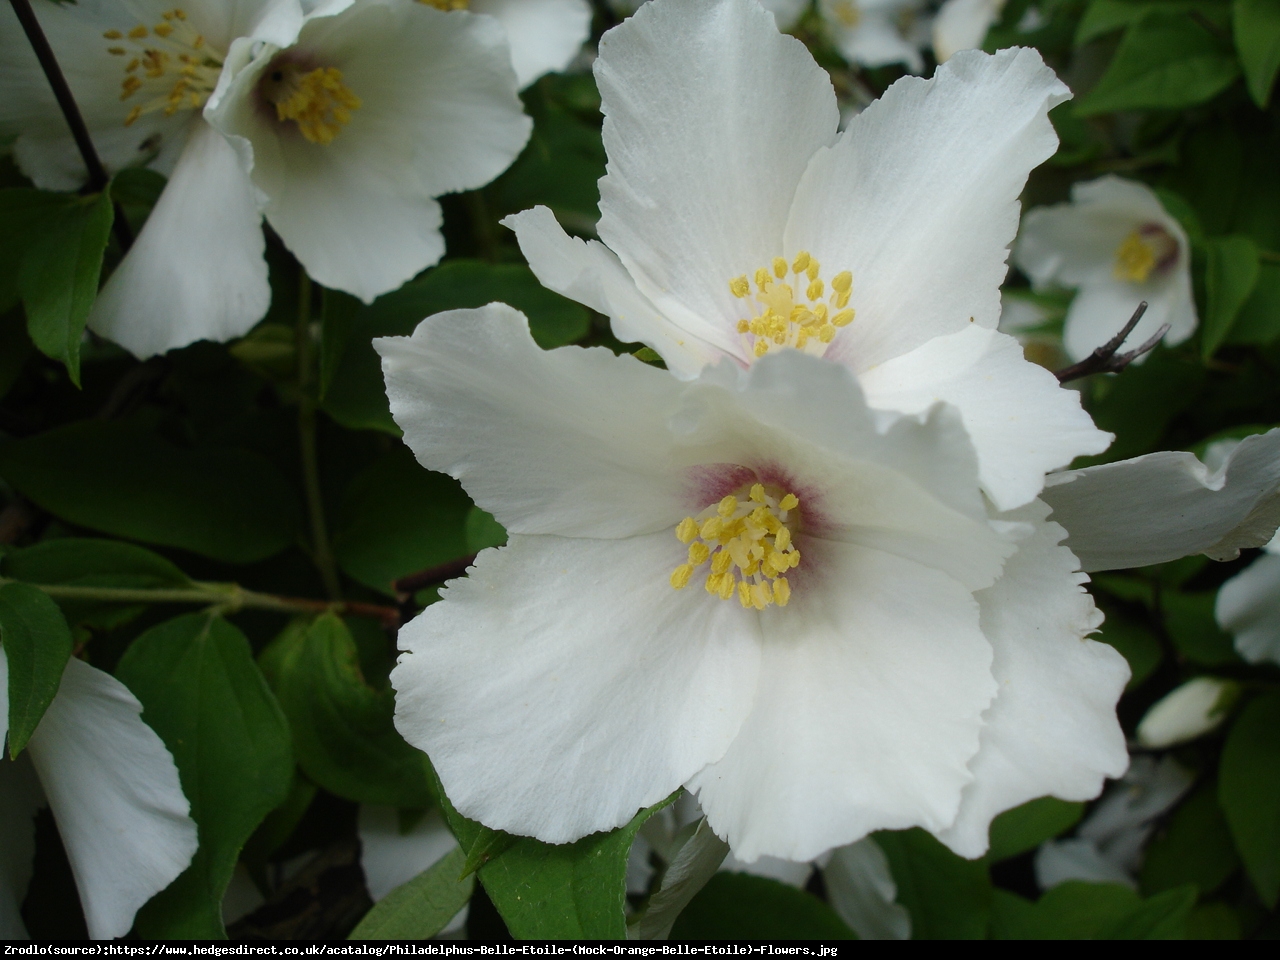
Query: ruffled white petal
1248	607
963	25
545	35
1021	422
868	32
564	685
114	792
861	890
850	732
196	271
1167	505
1052	729
710	118
949	156
390	857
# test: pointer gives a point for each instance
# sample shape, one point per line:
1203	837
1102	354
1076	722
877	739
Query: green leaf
338	311
228	504
487	844
483	531
1213	921
1026	827
1195	848
948	897
398	517
692	867
203	694
37	644
1258	322
739	906
1231	273
1191	625
356	396
1104	16
1091	911
343	732
1249	791
422	907
1167	61
1256	25
1136	642
15	348
559	168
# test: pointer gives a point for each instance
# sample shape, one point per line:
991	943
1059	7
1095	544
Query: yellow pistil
799	314
748	543
316	100
1146	249
170	66
447	4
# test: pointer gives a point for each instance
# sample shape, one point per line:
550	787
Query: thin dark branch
413	582
98	178
1105	359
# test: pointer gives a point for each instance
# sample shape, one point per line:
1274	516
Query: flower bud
1190	711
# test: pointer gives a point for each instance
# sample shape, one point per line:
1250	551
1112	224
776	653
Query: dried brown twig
1105	359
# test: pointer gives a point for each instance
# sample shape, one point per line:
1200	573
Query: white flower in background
963	25
1248	607
786	13
114	792
341	129
391	855
1108	846
876	33
1195	708
1117	245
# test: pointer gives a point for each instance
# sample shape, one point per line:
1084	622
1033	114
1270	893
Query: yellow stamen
316	100
447	4
1144	250
740	286
787	317
168	70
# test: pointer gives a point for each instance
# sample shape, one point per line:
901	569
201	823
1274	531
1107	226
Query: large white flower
342	128
786	13
1117	245
876	33
114	792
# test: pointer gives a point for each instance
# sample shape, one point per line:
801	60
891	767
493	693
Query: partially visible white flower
391	856
787	13
1248	607
114	792
876	33
1116	243
1186	712
1108	845
963	25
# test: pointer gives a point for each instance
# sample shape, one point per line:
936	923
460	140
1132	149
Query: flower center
784	319
747	541
1146	249
170	67
316	100
447	4
847	12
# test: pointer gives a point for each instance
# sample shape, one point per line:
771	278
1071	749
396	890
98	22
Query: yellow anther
117	51
317	100
786	316
721	563
1149	248
801	262
131	85
779	267
827	333
176	14
815	290
727	506
761	595
761	348
711	528
811	271
744	593
789	502
740	286
138	32
842	282
743	326
447	4
162	29
757	492
714	581
680	576
113	35
132	116
699	553
781	591
782	538
842	319
687	529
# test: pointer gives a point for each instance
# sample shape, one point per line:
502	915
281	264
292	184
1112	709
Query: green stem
321	550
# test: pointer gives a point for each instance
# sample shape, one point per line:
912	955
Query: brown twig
1105	359
413	582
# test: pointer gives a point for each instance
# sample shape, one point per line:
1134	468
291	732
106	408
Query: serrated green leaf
1256	26
422	907
1195	848
37	644
1165	61
1026	827
948	897
739	906
343	732
228	504
202	693
1230	276
1249	791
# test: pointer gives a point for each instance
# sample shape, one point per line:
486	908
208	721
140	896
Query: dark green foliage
738	906
36	643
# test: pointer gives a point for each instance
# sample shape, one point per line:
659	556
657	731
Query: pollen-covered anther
1150	248
747	540
803	314
171	67
316	100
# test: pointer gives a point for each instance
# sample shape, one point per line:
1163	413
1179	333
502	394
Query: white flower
963	25
342	129
114	792
1186	712
1115	242
1248	607
876	33
786	13
391	856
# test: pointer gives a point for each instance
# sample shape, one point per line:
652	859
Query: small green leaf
203	694
1249	791
422	907
487	845
228	504
739	906
37	643
1026	827
1162	917
1166	60
338	312
1230	276
342	728
948	897
1256	25
1195	848
1258	322
1191	625
1091	911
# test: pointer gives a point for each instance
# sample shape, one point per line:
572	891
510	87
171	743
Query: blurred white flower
1186	712
876	33
391	855
1117	245
786	13
114	791
963	25
1248	607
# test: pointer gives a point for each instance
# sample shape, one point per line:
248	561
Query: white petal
564	684
710	118
1187	712
1149	789
869	707
390	857
861	890
241	897
1052	729
963	25
919	199
874	39
545	35
794	873
1021	421
1100	309
786	12
438	113
19	799
1248	606
689	869
576	441
1167	505
114	792
1075	858
589	272
196	271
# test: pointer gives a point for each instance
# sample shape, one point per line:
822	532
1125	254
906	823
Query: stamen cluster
787	320
748	544
316	100
171	50
1146	249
